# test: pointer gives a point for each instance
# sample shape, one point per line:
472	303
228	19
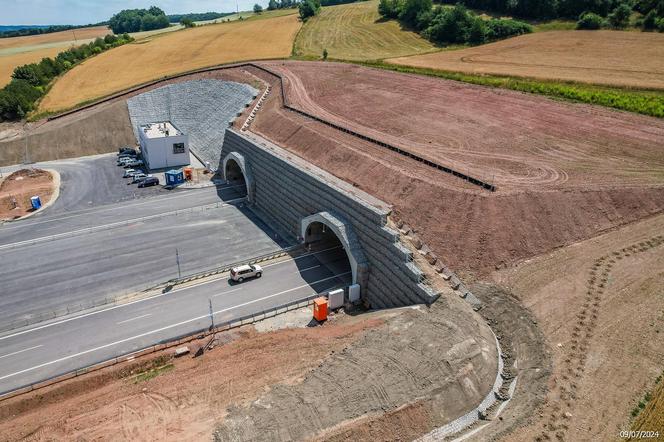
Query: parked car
124	160
138	177
133	163
128	155
128	173
246	271
126	149
149	181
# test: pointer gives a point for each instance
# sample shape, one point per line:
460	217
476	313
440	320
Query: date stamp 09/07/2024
639	434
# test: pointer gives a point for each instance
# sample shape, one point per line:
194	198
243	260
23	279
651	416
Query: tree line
135	20
450	25
45	30
197	16
30	81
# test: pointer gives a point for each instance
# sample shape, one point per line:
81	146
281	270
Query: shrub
619	17
308	8
503	28
187	23
589	20
660	24
388	8
258	8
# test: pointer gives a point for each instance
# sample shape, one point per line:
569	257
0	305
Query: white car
124	160
134	163
243	272
128	173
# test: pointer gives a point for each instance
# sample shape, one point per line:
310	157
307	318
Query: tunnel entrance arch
325	227
235	170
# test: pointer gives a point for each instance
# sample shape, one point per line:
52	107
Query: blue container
174	177
36	202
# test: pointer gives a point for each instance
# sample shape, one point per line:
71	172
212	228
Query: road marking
29	242
308	268
227	291
133	319
130	204
146	299
20	351
122	341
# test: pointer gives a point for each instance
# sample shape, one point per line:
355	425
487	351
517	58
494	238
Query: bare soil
474	230
422	365
583	56
600	305
17	189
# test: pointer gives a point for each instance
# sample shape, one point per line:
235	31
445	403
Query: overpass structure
306	203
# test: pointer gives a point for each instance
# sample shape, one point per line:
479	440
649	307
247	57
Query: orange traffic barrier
320	309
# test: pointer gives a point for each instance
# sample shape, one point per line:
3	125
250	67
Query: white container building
163	145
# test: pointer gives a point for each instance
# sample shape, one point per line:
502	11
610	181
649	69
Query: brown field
9	62
652	417
171	53
18	51
66	37
634	59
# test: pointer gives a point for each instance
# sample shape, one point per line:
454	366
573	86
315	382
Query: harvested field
17	189
355	31
600	305
171	53
560	169
437	362
617	58
9	62
651	418
17	51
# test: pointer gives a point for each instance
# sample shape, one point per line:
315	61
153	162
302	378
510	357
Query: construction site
494	248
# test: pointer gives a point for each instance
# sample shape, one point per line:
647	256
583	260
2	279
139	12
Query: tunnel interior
319	237
235	176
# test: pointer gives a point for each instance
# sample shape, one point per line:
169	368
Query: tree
619	17
187	23
134	20
258	8
411	8
388	8
308	8
272	5
29	73
589	20
478	32
324	53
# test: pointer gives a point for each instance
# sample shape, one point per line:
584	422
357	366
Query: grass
270	36
647	102
355	31
153	373
554	25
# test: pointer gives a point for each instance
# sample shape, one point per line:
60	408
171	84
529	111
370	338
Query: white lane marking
104	208
149	298
122	341
227	291
308	268
133	319
108	226
20	351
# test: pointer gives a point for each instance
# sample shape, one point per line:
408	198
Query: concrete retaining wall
286	189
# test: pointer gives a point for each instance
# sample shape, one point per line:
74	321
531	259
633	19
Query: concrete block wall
287	189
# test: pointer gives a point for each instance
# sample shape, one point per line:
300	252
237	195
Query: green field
355	31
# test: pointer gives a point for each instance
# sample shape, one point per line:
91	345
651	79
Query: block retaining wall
286	189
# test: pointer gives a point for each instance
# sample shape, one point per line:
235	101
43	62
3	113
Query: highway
83	257
47	350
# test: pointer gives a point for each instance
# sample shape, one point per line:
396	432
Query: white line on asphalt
148	298
133	319
29	242
20	351
308	268
103	208
122	341
227	291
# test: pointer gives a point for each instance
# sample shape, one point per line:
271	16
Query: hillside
356	31
617	58
172	53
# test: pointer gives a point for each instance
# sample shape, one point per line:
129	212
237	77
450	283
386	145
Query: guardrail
171	342
136	294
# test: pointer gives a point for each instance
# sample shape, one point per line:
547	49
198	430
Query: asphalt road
106	252
49	350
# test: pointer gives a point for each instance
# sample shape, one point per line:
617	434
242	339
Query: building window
178	148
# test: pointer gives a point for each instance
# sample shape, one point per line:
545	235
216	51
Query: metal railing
168	343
